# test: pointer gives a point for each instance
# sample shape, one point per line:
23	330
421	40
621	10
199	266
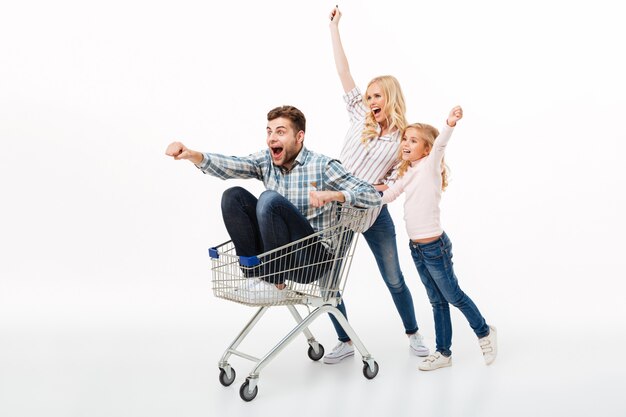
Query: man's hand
456	114
179	151
320	198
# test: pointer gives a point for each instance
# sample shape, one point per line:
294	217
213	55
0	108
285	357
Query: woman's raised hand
334	16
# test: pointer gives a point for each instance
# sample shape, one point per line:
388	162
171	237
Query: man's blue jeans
381	238
434	263
259	225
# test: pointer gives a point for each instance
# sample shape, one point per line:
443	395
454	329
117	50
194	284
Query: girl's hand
320	198
334	16
455	115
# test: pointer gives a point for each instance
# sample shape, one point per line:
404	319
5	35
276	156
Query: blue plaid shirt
311	171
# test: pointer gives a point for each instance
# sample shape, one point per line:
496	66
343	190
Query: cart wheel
244	394
370	373
316	356
224	379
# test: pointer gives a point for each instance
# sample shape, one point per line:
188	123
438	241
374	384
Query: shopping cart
313	271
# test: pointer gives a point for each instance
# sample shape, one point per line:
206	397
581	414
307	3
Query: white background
105	301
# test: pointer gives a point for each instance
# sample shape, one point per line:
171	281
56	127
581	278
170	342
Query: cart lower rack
312	271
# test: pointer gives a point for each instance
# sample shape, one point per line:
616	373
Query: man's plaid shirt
311	171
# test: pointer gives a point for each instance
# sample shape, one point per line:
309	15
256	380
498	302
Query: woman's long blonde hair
395	108
428	134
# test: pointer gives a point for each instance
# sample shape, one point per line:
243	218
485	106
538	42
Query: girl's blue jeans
434	263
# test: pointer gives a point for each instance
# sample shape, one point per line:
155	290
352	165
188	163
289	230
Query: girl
369	152
422	176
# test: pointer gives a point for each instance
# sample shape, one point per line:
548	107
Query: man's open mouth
276	152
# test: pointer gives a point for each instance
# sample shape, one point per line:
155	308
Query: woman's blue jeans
434	263
381	238
269	222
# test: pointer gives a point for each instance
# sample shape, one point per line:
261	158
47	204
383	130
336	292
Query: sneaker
417	346
489	346
259	291
339	353
435	361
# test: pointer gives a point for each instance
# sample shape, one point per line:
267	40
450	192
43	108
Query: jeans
381	238
434	263
259	225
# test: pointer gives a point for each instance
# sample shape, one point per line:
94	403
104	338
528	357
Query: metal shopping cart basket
313	272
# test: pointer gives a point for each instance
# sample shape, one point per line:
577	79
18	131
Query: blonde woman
369	152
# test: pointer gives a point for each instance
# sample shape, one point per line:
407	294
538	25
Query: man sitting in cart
299	183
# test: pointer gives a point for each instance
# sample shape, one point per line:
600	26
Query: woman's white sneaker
435	361
339	353
417	346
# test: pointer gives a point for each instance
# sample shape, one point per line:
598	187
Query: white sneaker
259	291
489	346
339	353
417	346
435	361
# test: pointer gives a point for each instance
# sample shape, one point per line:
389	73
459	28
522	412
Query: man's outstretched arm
179	151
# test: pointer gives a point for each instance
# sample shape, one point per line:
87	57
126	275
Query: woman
369	152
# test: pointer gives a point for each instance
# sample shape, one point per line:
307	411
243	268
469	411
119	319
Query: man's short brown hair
289	112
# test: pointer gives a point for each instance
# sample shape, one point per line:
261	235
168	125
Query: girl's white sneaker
435	361
489	346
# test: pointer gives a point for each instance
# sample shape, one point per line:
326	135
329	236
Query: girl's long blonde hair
395	108
428	134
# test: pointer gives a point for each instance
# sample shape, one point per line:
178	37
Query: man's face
284	143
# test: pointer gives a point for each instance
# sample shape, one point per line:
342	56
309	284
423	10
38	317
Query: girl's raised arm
341	62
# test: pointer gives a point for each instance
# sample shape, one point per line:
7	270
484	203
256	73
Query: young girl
422	176
369	152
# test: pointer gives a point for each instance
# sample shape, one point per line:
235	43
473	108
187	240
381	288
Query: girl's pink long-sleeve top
422	185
